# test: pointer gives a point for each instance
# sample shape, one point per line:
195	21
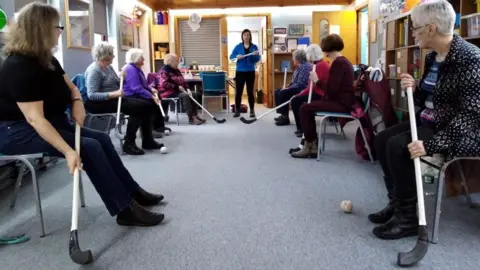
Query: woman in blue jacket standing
245	73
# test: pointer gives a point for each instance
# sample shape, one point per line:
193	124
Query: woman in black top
34	95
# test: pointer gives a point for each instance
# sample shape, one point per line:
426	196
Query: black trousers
242	78
101	162
284	95
391	146
140	111
295	105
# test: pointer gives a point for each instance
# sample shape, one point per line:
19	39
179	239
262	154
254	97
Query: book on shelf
285	64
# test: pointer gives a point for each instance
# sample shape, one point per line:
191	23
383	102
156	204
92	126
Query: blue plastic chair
326	115
214	84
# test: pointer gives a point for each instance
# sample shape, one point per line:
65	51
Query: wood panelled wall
347	20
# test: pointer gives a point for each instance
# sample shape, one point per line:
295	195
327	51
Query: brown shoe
309	150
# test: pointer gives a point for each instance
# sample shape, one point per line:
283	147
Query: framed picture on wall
296	29
78	27
127	38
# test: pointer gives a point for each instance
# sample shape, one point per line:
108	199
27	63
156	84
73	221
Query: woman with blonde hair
34	95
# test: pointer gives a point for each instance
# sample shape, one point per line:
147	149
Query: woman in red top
314	55
339	94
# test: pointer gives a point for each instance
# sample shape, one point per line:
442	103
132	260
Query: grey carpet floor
235	199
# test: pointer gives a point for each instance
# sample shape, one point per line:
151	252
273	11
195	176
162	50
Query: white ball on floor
167	132
164	150
346	206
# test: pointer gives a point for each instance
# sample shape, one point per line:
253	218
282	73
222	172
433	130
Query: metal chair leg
227	106
325	120
470	202
438	205
176	111
365	141
18	184
320	137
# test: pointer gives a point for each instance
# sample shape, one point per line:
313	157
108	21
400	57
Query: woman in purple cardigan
135	85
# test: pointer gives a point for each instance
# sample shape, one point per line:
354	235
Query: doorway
363	39
258	27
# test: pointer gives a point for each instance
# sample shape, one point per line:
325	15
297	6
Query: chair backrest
81	84
214	82
366	101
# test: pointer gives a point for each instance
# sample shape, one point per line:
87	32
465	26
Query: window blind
203	45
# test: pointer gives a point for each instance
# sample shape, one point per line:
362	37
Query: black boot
136	215
130	148
146	198
236	114
151	145
386	213
404	222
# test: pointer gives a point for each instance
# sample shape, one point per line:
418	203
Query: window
201	46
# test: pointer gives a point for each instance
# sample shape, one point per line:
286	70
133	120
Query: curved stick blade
414	256
220	121
76	254
247	121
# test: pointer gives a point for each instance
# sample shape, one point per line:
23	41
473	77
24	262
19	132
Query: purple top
135	83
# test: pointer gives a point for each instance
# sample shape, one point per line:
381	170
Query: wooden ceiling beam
192	4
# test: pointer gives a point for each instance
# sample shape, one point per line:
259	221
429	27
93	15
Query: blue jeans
285	95
100	160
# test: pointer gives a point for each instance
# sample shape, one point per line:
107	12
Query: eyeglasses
414	29
60	27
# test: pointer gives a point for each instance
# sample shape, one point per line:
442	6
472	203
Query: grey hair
169	57
314	52
101	51
437	12
133	56
300	56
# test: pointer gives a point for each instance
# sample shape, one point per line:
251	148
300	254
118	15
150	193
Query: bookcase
160	40
280	60
403	55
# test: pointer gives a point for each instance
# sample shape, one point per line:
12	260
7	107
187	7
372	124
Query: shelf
471	38
281	72
282	53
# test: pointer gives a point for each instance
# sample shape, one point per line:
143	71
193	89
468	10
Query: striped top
428	85
101	82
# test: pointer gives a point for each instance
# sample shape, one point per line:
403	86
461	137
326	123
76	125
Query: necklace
440	57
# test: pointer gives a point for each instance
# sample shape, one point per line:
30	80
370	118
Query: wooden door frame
359	42
268	93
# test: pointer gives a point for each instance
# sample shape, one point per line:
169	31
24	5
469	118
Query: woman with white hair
448	121
103	90
136	86
170	83
319	78
298	83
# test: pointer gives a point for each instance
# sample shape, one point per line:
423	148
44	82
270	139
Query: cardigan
322	69
100	82
340	82
135	84
456	101
169	81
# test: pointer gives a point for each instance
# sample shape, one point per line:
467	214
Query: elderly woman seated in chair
34	95
298	83
339	94
171	84
135	86
103	92
319	80
448	121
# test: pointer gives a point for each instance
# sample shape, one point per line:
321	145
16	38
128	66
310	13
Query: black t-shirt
23	79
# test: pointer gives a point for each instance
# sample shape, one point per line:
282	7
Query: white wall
115	8
236	24
281	16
